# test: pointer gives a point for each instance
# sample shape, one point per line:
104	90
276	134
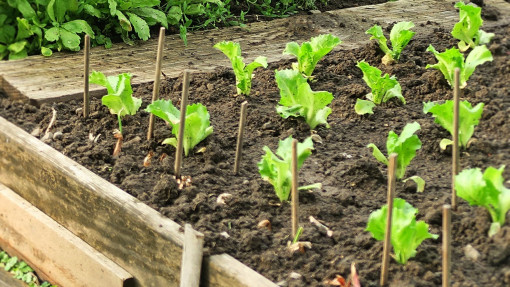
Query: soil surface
353	181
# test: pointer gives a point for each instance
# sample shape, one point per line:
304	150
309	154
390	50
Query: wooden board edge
58	255
224	270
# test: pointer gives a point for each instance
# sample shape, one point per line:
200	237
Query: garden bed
353	181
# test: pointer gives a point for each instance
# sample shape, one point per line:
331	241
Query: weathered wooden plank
133	235
59	256
222	270
59	77
6	280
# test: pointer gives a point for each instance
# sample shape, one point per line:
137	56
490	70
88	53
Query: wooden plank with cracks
42	79
59	256
130	233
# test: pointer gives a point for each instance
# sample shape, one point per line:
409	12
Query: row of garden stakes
446	250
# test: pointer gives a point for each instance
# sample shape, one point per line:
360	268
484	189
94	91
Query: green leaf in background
383	87
452	58
276	168
298	100
467	30
141	27
405	146
196	128
485	190
406	233
364	107
469	118
243	73
309	53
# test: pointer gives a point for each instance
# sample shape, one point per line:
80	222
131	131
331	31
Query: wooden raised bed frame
133	235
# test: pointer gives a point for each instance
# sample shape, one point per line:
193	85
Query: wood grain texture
133	235
59	256
42	79
6	280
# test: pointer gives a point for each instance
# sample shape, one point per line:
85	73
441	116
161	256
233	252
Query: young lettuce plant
467	30
309	53
468	118
383	88
406	233
276	168
119	99
197	126
298	99
453	58
485	190
405	146
400	36
243	73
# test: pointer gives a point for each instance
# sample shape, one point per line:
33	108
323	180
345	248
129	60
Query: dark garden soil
354	183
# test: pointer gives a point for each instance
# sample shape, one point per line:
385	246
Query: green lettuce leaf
400	36
452	58
469	117
485	190
276	168
119	98
298	99
309	53
467	30
196	128
243	73
405	146
406	233
383	87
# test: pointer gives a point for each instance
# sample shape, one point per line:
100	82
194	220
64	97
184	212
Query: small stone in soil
47	137
471	253
36	132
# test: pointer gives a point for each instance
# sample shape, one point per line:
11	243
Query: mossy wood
136	237
59	77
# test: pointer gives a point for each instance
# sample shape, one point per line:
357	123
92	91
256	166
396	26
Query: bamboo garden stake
155	89
294	191
387	236
86	60
242	122
455	147
180	137
447	237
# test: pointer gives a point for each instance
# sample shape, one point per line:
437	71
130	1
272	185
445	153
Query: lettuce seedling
485	190
406	233
197	126
309	53
467	30
400	36
405	146
276	169
298	99
452	58
383	88
119	98
243	73
468	118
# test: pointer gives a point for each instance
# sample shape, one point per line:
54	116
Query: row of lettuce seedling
298	100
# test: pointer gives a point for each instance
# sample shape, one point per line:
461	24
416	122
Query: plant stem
120	122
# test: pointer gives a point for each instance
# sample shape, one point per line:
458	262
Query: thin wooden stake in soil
387	236
191	257
86	60
180	137
155	89
242	121
447	237
294	194
455	147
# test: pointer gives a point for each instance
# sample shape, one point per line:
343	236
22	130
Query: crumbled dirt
353	181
